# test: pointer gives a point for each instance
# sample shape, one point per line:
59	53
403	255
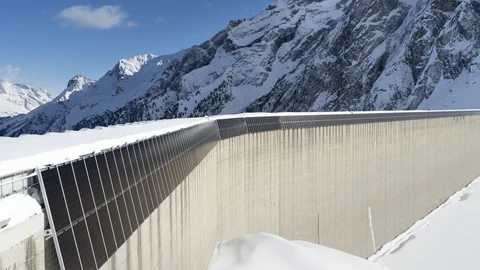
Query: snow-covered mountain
296	55
20	98
85	98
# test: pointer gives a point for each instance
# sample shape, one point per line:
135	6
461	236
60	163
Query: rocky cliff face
307	55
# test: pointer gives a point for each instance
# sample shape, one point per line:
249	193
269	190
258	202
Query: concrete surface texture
22	246
350	187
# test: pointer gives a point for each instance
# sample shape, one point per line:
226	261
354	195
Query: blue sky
45	43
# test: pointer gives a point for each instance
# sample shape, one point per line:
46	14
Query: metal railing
19	182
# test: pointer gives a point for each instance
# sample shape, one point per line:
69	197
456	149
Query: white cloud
131	24
160	20
10	73
86	16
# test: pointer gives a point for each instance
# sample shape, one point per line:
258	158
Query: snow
128	67
265	251
410	2
445	239
460	93
30	151
75	84
20	98
129	79
84	98
17	208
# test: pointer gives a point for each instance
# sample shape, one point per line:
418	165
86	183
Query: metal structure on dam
348	181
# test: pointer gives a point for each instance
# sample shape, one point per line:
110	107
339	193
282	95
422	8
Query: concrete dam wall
347	181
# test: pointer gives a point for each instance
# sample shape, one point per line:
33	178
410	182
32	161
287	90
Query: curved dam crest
352	182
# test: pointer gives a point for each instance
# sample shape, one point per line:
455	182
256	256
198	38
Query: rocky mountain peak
130	66
75	84
77	81
296	55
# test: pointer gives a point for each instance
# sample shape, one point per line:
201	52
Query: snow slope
462	92
17	208
265	251
20	98
446	239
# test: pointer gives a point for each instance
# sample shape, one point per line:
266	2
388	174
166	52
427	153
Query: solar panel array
95	203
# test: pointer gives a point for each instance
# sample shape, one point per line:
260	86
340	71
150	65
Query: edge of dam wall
347	181
353	187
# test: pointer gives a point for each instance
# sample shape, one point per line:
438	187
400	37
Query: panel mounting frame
50	219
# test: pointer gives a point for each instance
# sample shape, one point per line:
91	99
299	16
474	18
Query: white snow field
448	238
17	208
266	251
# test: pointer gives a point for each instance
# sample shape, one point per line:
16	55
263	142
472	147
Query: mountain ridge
296	55
18	99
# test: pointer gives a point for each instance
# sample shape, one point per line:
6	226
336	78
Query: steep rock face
301	55
20	98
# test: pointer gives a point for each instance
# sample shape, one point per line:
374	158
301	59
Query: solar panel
144	177
96	238
118	222
133	184
55	198
111	207
161	180
84	246
127	195
183	158
151	171
94	204
69	250
142	194
162	141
